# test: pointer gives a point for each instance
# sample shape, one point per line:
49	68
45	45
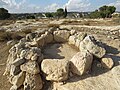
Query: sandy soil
4	84
59	51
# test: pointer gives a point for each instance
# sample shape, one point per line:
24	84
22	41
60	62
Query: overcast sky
32	6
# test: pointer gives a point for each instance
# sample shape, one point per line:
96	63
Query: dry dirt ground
4	84
99	77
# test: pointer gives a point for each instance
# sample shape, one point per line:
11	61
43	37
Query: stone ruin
26	63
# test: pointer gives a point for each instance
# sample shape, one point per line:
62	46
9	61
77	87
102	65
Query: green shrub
4	14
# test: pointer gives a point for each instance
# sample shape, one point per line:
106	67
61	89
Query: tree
107	11
30	17
49	15
4	14
95	14
65	13
60	13
103	12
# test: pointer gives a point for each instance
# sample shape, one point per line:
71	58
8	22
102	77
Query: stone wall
26	63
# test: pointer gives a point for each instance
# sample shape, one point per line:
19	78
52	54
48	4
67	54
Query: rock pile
25	62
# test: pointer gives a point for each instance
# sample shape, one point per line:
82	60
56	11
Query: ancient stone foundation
26	63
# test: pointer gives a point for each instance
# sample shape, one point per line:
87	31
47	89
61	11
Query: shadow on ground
52	51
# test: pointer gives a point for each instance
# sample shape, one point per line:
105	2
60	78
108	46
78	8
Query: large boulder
61	35
17	80
80	36
90	44
55	69
33	82
116	75
30	67
107	62
81	63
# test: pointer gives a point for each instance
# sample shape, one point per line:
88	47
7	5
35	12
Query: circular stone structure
29	58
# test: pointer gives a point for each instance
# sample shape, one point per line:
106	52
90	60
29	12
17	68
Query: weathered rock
20	45
23	40
55	69
14	87
81	36
34	57
31	54
27	54
52	29
40	41
17	80
72	32
40	58
15	70
77	43
24	53
81	63
72	40
116	75
30	67
31	36
107	62
90	44
33	82
11	42
14	54
48	37
31	44
61	35
40	31
10	60
19	61
13	49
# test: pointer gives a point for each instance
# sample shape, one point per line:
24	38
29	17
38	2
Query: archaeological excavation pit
52	55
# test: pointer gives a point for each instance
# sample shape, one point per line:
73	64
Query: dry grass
116	21
6	36
6	22
53	25
93	22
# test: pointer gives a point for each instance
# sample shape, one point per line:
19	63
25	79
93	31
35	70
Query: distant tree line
60	13
103	12
4	14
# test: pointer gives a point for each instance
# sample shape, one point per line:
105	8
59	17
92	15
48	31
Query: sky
32	6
